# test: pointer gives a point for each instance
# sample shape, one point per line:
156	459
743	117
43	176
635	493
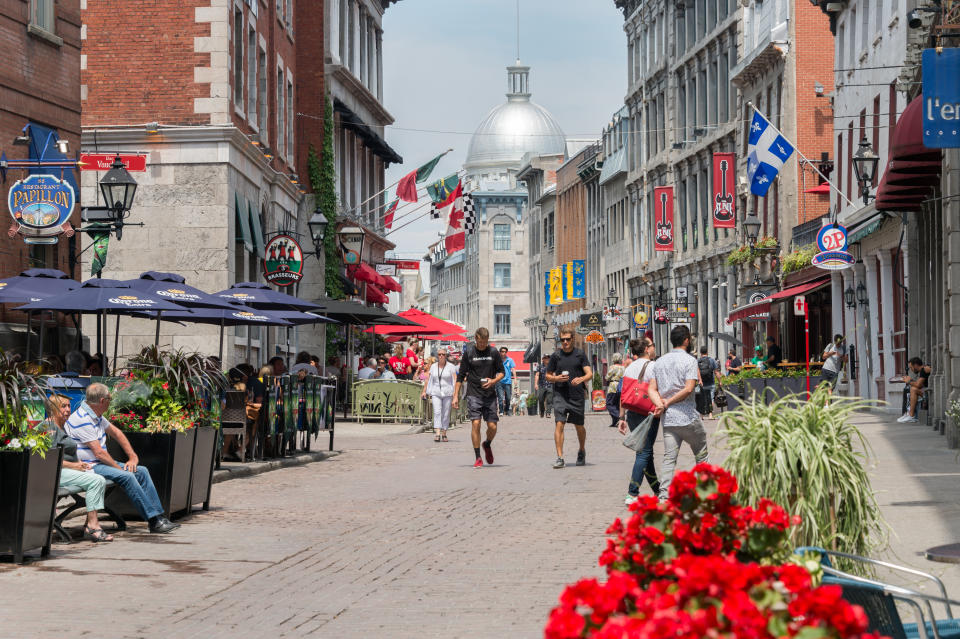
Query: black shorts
828	377
569	412
482	408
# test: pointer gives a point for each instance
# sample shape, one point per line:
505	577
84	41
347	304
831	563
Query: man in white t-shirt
675	377
833	358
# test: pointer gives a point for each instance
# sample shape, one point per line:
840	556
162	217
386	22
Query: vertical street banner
546	289
579	279
724	209
663	218
568	281
556	286
99	259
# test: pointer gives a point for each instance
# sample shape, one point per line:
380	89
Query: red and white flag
456	237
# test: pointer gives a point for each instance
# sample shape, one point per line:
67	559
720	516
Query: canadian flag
455	239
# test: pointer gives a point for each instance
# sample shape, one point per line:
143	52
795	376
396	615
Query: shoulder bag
635	395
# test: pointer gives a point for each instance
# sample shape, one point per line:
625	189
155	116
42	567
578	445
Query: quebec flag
766	152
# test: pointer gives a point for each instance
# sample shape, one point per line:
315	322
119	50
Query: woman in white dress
440	383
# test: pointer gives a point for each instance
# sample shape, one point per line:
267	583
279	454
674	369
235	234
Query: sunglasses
566	339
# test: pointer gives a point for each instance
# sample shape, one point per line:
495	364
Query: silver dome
514	128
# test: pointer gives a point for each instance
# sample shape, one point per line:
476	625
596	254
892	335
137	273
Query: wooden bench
77	494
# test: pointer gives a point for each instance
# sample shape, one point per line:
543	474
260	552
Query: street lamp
752	227
612	298
318	228
118	187
865	162
862	298
848	296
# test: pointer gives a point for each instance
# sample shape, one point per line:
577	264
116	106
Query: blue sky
445	68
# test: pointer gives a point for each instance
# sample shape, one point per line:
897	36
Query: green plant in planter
21	408
739	255
531	401
809	457
799	259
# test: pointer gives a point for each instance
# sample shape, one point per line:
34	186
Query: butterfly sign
663	218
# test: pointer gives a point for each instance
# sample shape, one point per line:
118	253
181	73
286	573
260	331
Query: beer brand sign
283	264
724	208
41	205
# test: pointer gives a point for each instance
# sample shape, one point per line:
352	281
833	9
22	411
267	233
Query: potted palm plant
29	470
166	404
809	457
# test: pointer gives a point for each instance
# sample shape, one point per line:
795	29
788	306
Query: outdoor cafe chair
879	599
233	420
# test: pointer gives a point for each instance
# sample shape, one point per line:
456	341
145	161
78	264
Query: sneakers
582	458
478	463
559	463
488	452
631	499
906	418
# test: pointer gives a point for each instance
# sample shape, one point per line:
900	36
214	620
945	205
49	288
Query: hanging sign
660	314
800	305
641	318
41	205
104	162
941	98
351	245
663	218
405	265
592	321
387	269
594	337
833	260
283	264
832	237
724	209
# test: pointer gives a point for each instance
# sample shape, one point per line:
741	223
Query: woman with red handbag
635	405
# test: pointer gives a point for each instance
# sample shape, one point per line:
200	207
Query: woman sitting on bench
76	473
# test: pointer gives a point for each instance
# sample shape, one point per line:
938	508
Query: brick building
39	84
210	91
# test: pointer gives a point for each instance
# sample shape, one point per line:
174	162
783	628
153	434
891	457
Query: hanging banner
283	264
663	218
724	208
556	286
546	289
568	281
579	279
99	259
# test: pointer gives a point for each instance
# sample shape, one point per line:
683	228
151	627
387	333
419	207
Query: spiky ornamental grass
807	456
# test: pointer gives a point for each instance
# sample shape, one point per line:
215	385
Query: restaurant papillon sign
41	205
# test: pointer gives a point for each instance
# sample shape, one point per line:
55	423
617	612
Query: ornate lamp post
848	297
865	162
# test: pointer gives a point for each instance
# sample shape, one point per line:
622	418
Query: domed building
488	283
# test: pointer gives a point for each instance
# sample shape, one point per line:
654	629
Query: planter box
169	458
753	385
798	385
204	454
28	497
776	388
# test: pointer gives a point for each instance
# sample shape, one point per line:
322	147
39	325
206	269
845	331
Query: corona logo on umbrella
283	264
132	301
178	295
253	317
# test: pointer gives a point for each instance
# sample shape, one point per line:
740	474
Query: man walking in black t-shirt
569	371
481	367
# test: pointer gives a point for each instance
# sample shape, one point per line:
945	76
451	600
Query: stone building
40	84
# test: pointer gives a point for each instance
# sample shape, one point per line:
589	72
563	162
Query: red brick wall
140	62
39	81
570	222
814	51
309	88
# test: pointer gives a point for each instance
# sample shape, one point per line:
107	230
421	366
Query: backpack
706	366
635	395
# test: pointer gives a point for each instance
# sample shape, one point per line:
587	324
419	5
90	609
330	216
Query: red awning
763	306
913	168
820	188
517	357
376	296
391	284
365	273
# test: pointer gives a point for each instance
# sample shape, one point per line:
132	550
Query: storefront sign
800	305
660	314
387	269
405	265
941	98
663	218
104	161
593	321
283	264
832	237
351	245
41	204
641	318
724	206
833	260
594	337
759	317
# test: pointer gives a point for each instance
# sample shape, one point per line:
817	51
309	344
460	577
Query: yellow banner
568	280
556	286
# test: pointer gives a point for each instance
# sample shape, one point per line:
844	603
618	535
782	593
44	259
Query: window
290	14
501	237
262	95
501	276
865	13
252	72
280	113
289	145
41	14
501	320
238	58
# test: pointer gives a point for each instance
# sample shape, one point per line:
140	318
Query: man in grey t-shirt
672	391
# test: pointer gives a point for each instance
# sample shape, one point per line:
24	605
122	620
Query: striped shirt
84	427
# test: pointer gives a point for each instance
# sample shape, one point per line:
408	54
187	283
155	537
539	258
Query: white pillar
870	265
333	29
887	294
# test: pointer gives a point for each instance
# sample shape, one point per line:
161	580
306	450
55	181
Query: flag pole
386	188
805	158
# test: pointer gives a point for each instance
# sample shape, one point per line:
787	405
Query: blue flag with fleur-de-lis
767	151
579	279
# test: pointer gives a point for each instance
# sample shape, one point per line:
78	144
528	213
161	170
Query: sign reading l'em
941	98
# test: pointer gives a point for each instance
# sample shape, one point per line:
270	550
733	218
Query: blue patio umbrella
261	296
104	296
32	285
173	288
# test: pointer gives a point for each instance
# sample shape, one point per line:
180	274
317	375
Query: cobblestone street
400	537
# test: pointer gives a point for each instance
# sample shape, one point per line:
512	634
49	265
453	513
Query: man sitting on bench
89	428
77	473
917	382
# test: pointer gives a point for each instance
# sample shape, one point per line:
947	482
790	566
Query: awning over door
913	168
763	306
